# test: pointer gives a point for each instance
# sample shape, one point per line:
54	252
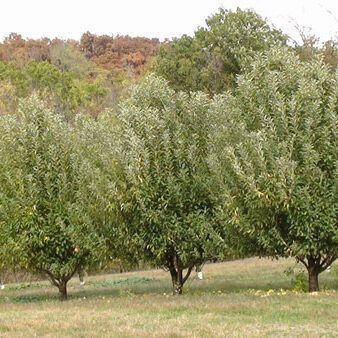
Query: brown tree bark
176	282
177	278
61	283
313	280
315	265
63	290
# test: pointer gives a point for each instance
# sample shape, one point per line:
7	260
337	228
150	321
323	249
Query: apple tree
170	202
277	152
47	196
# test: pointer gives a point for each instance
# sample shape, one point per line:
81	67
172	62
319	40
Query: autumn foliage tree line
212	146
87	75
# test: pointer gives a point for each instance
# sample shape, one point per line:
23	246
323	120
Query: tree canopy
170	201
47	197
278	154
211	60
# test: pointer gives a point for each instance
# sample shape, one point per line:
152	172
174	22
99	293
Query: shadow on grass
112	288
106	288
154	287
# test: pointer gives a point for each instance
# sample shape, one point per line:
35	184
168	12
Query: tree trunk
62	290
175	267
314	268
313	279
177	289
60	282
176	281
315	265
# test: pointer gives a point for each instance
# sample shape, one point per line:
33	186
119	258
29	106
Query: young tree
47	199
278	151
170	198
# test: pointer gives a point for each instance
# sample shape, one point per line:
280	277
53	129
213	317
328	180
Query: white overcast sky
155	18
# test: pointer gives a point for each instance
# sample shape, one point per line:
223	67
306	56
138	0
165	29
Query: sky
157	18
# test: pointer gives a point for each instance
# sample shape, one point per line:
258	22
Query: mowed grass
250	297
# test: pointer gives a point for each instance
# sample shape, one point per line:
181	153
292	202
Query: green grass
250	297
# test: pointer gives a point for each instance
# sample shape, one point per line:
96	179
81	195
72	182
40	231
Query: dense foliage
211	59
50	215
228	149
170	202
65	92
277	150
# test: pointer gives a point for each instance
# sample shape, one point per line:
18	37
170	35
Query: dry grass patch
240	298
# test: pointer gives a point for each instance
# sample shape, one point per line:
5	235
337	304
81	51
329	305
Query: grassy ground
251	297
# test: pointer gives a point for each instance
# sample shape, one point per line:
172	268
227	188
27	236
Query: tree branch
302	260
327	261
187	274
52	278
